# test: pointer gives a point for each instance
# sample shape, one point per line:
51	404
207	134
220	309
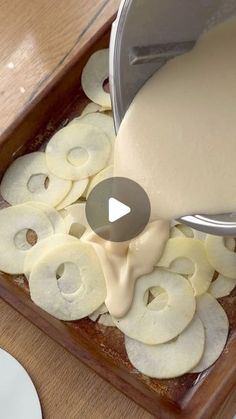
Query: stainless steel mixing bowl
145	35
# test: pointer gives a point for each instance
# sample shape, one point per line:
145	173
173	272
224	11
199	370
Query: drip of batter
181	133
123	263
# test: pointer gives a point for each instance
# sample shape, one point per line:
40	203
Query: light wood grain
67	388
228	410
37	40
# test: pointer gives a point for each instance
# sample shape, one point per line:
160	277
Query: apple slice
97	313
78	151
91	292
155	327
191	232
195	251
103	175
106	320
75	219
216	325
53	215
171	359
77	189
176	232
94	74
222	286
103	122
15	222
91	108
29	179
220	257
43	247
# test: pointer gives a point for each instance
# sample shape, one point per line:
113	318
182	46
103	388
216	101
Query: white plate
18	396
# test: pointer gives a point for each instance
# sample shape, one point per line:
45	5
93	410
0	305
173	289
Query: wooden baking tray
192	396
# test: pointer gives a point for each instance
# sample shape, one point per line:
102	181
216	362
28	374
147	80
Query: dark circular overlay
127	192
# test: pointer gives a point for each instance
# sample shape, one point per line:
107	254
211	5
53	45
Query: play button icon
118	209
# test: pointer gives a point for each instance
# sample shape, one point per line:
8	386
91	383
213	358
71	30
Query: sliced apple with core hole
103	122
15	222
29	179
78	151
195	251
155	327
46	293
94	74
43	247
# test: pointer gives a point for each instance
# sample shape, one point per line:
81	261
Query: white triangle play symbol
117	210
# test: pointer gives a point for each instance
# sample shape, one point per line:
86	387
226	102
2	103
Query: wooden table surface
37	40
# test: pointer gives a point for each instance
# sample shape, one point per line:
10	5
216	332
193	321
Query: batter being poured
180	131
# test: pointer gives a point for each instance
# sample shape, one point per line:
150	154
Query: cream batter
123	263
181	133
